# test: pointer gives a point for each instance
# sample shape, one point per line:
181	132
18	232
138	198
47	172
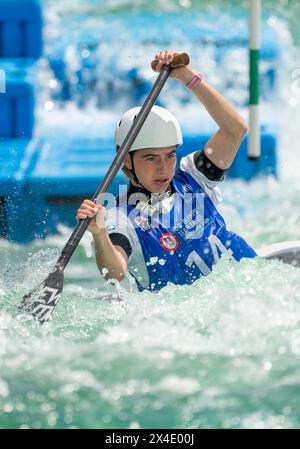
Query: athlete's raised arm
224	144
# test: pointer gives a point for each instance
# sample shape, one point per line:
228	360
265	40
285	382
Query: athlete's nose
162	165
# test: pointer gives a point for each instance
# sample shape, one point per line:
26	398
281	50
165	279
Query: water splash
220	353
183	357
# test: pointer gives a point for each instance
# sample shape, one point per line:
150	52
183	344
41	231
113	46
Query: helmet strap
135	178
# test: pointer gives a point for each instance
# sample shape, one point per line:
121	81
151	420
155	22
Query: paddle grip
178	61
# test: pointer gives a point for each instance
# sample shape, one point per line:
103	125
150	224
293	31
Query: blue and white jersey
180	238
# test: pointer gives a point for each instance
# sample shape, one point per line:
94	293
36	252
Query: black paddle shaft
118	161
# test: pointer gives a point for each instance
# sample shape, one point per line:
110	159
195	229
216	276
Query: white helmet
161	129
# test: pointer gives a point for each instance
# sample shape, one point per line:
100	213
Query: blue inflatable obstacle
20	46
18	101
20	29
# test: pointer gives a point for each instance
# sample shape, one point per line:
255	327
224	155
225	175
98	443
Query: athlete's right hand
90	209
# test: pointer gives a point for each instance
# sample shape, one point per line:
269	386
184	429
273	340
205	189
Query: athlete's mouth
161	181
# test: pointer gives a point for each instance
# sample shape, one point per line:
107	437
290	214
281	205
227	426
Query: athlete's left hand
164	57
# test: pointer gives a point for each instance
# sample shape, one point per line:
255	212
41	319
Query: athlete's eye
151	159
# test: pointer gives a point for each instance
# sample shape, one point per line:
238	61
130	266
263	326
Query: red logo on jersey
169	241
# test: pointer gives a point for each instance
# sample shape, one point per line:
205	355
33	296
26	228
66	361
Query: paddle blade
40	302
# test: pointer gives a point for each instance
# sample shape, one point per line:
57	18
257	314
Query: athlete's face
154	167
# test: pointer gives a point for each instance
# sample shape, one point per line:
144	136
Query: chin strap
135	178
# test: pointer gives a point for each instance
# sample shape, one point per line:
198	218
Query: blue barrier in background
20	46
18	102
20	29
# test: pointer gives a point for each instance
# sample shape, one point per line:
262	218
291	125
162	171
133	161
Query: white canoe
287	252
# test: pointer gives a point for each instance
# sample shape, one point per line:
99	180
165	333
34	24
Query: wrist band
194	81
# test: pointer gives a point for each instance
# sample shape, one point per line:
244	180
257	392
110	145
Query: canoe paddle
41	301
